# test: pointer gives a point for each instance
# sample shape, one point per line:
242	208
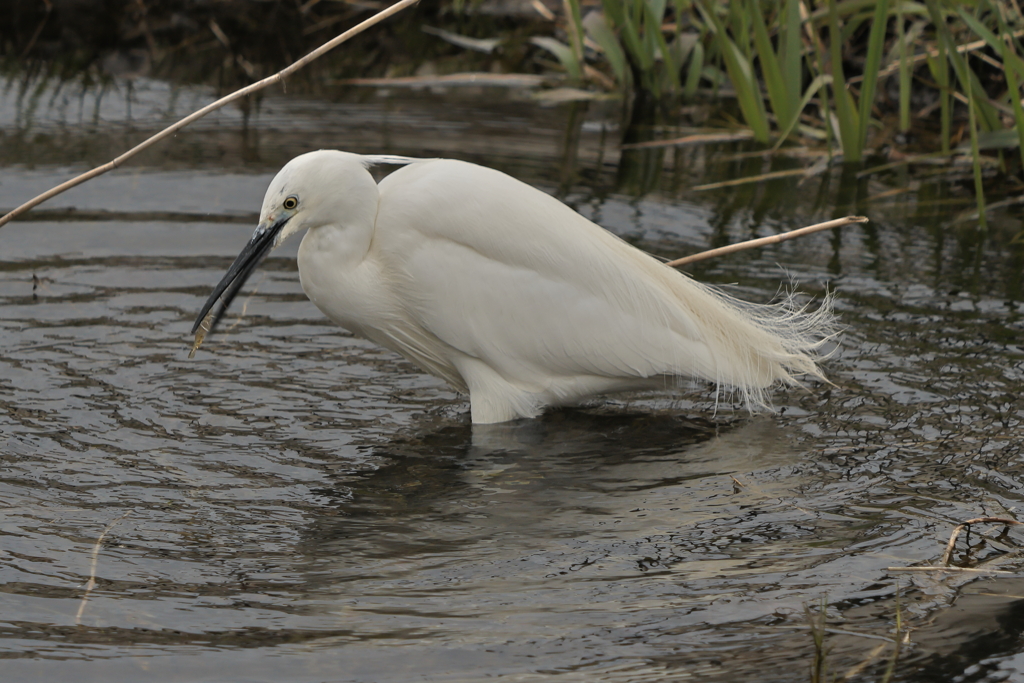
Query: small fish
204	327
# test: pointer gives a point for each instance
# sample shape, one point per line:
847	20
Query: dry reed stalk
469	78
932	53
696	139
774	175
91	583
238	94
771	239
947	556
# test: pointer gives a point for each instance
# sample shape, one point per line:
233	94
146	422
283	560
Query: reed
798	67
637	24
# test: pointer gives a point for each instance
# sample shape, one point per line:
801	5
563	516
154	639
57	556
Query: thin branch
771	239
751	179
947	556
238	94
932	53
695	139
91	583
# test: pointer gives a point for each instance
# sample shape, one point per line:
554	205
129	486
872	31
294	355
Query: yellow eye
291	202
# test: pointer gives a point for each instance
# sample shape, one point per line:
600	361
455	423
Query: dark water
295	504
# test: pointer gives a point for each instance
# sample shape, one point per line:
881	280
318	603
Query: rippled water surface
296	504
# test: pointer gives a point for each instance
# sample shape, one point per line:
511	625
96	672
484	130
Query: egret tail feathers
758	346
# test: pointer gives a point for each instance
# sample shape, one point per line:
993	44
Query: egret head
315	189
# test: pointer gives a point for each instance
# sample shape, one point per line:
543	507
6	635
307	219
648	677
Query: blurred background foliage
858	77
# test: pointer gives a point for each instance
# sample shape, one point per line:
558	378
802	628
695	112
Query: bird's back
513	279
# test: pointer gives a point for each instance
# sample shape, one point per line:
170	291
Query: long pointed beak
254	252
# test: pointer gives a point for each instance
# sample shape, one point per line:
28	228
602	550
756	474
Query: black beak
226	290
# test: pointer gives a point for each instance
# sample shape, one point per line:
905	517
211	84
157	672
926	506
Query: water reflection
573	151
493	539
305	506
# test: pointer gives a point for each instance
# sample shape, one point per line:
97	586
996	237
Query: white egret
506	293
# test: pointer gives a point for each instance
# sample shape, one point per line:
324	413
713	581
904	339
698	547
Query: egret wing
507	274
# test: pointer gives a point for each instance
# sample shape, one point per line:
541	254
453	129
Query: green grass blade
790	50
812	90
979	188
897	639
940	70
905	72
778	94
849	8
989	116
979	28
672	65
741	74
852	24
1012	65
1010	60
694	70
631	35
876	41
618	16
845	112
747	90
817	69
615	11
1013	85
598	30
563	53
656	8
738	22
682	8
575	30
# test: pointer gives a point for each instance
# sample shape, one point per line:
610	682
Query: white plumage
506	293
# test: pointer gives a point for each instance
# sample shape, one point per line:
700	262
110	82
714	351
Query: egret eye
290	202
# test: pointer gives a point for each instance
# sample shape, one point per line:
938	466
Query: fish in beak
262	241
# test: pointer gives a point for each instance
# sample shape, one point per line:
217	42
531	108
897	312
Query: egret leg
492	398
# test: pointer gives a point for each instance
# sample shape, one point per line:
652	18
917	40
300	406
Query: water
295	504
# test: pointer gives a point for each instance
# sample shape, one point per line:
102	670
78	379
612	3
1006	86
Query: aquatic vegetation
830	70
824	70
862	76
